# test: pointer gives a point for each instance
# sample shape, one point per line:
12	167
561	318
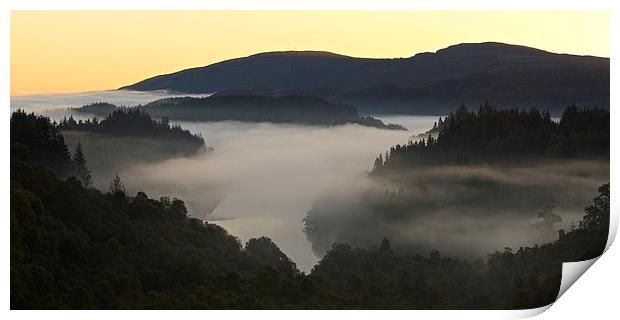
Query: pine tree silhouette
79	166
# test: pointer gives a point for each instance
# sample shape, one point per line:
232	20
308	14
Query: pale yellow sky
74	51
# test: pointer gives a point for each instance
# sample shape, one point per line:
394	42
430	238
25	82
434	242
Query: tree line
493	135
47	145
132	122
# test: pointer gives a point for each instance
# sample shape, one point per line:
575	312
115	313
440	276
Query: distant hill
306	110
427	83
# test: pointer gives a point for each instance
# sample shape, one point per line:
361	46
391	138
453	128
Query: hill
296	109
427	83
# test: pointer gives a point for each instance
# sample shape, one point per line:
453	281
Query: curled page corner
571	271
528	313
613	229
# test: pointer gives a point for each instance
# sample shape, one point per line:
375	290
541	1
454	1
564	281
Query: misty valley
483	204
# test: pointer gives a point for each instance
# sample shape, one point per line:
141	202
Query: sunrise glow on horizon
75	51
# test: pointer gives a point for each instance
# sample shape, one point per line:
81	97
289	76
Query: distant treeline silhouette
252	108
80	248
132	122
100	109
492	135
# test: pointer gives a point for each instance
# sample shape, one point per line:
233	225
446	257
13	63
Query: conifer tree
378	162
117	186
79	166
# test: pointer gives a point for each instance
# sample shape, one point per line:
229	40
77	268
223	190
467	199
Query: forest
73	246
307	110
493	135
133	122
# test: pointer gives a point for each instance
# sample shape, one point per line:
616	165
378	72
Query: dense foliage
45	142
526	278
492	135
73	247
133	122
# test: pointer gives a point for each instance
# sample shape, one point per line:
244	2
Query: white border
592	297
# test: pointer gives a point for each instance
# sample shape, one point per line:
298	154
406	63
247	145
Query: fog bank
43	103
464	211
265	176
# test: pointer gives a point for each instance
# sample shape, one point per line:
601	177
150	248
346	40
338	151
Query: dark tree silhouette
46	145
117	187
134	123
79	166
498	135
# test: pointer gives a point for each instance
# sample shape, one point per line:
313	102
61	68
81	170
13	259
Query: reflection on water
285	232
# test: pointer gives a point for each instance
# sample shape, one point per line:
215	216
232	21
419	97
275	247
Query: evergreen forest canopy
296	109
493	135
100	109
78	247
134	123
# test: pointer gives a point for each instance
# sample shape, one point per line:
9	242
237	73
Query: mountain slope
510	75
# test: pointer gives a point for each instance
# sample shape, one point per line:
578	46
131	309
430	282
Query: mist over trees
124	138
80	248
483	180
75	247
135	123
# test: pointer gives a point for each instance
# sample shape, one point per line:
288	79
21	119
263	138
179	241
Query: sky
78	51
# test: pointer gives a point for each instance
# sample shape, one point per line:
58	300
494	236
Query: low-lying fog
55	104
268	175
465	211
